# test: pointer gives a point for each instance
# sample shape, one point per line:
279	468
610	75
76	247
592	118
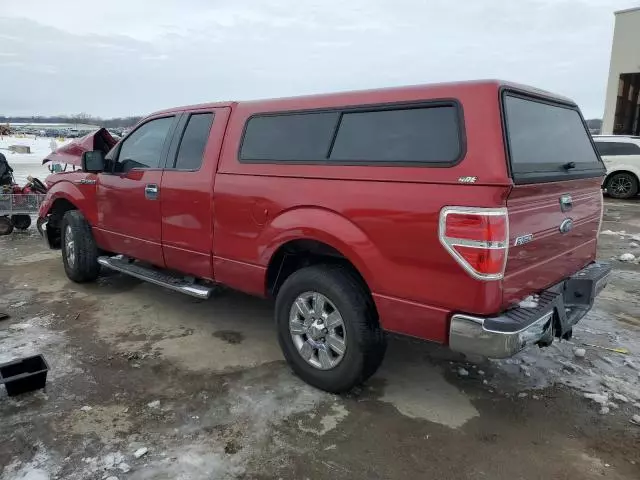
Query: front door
128	197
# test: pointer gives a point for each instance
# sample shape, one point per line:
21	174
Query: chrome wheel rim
621	185
317	330
69	246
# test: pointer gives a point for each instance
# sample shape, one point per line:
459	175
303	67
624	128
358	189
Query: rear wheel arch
294	255
323	233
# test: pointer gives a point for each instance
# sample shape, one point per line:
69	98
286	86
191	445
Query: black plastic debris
24	375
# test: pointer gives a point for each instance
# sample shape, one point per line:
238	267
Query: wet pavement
203	387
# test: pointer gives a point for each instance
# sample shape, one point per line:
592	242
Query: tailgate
541	254
555	206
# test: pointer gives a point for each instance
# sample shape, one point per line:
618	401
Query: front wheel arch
56	213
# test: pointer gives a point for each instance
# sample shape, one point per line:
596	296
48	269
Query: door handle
151	191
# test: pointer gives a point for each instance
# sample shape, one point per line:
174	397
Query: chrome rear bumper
468	335
559	308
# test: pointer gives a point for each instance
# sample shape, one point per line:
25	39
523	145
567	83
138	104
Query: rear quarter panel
383	219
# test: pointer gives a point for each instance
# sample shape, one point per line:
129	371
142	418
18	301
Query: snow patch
141	452
36	469
33	337
530	302
627	257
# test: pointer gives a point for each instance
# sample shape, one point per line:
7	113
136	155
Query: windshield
548	142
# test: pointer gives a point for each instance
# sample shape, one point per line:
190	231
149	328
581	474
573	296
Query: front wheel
328	328
622	185
79	250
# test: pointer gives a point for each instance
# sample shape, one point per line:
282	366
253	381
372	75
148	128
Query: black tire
622	185
21	222
366	342
6	227
84	267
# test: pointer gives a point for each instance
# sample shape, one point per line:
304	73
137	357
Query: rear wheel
6	227
622	185
79	250
328	328
21	222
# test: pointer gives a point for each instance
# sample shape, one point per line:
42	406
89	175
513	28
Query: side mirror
93	161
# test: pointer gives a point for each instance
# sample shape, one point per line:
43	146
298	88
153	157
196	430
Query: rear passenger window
429	135
387	136
194	141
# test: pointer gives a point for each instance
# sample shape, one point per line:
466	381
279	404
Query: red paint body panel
127	222
550	256
413	319
67	186
241	276
226	221
186	200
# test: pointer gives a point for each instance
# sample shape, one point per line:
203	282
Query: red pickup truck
464	213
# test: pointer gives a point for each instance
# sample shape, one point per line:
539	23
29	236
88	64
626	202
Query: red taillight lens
485	228
477	238
483	261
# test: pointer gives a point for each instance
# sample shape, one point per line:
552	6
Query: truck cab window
193	142
143	148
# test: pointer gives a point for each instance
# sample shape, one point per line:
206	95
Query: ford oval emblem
566	226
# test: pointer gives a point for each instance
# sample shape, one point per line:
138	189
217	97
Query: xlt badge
522	239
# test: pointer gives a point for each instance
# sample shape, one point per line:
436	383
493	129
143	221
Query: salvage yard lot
202	387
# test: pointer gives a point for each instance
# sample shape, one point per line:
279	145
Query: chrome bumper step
157	277
559	308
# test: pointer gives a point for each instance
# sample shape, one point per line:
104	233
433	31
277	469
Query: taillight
477	238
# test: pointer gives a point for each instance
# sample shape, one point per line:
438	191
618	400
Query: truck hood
71	153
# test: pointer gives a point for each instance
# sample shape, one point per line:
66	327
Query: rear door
186	192
555	206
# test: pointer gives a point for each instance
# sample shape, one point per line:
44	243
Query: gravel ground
148	384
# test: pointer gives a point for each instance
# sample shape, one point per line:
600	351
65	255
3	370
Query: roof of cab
426	89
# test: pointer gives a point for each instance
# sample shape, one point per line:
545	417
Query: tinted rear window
548	142
387	136
617	148
292	137
406	136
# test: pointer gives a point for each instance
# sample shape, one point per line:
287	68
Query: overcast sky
126	57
